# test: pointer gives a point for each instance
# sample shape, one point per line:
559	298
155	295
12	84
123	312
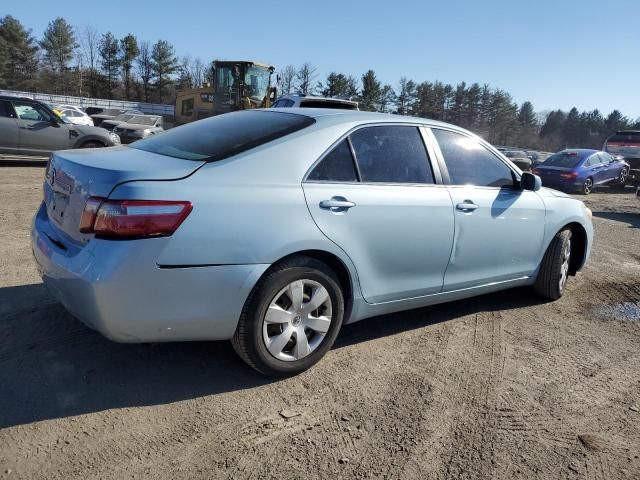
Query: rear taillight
569	176
133	218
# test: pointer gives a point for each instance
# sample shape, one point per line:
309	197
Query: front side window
391	154
605	158
28	111
336	166
470	163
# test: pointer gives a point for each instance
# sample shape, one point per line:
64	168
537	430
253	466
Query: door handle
467	206
337	204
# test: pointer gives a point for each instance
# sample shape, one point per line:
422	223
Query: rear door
499	228
8	128
375	196
40	132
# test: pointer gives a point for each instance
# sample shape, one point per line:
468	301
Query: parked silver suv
31	127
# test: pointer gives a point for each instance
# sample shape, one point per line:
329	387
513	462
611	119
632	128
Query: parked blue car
580	170
272	228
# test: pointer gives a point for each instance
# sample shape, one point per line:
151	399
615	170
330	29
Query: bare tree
145	68
89	43
287	78
198	72
305	78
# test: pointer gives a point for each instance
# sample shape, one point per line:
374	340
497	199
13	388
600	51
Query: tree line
83	62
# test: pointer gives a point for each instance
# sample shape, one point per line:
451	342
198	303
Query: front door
40	133
499	229
384	210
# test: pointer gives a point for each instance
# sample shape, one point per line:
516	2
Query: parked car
303	101
31	127
110	114
626	144
122	118
519	157
140	126
74	114
274	229
580	170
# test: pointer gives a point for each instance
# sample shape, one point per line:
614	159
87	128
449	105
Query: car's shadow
632	219
51	366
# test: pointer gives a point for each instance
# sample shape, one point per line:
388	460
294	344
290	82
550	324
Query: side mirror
529	181
54	122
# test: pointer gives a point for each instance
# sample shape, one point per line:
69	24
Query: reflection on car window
391	154
336	166
470	163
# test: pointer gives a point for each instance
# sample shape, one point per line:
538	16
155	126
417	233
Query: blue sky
557	54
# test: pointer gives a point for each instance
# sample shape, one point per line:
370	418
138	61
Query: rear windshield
515	154
223	136
563	159
322	104
624	138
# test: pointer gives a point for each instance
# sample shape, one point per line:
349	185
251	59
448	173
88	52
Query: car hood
135	126
89	130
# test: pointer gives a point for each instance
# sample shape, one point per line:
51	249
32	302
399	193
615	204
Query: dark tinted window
625	137
391	154
336	166
324	104
223	136
563	159
470	163
6	110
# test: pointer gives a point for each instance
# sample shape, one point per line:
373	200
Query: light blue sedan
273	228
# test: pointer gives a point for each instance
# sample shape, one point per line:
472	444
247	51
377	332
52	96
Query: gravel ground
500	386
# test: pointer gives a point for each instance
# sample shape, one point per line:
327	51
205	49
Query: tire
261	343
91	144
621	181
587	186
554	269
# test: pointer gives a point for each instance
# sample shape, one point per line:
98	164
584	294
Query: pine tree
18	55
164	64
371	91
406	96
129	51
109	51
58	44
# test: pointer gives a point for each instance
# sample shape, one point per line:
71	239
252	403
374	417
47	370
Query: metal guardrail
82	102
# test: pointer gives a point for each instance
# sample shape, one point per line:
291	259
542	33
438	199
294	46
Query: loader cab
241	85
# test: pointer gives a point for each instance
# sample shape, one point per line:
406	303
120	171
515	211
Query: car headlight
115	138
146	132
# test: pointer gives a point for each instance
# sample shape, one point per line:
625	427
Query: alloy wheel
297	320
622	178
588	185
564	266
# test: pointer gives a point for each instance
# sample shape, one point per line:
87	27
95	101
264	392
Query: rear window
633	137
223	136
563	159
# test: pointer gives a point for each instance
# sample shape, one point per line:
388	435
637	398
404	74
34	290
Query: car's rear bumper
117	288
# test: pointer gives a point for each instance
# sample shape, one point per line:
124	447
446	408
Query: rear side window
391	154
336	166
223	136
6	110
470	163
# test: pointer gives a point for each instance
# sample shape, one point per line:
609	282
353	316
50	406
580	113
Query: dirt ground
500	386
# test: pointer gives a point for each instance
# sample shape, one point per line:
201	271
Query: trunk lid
72	176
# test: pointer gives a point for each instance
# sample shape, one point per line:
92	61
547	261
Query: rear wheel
554	269
291	318
587	186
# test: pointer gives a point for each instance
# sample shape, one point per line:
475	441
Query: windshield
256	82
123	117
515	154
141	120
563	159
223	136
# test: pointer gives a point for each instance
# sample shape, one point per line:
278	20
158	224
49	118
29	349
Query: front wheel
554	269
291	318
621	180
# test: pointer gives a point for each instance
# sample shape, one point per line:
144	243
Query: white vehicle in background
304	101
74	114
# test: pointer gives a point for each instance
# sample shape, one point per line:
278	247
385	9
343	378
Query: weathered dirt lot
501	386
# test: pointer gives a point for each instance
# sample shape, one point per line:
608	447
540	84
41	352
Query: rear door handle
467	206
337	204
